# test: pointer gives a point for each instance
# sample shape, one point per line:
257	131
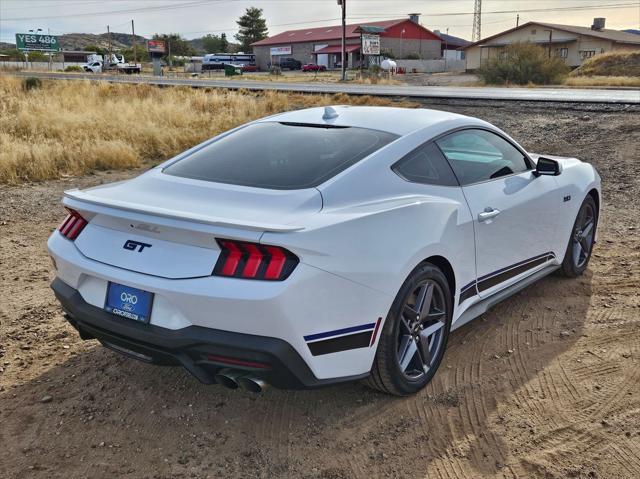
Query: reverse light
73	225
241	259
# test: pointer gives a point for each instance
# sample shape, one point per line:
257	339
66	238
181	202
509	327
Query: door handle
488	214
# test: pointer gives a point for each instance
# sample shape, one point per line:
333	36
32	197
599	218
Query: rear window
280	155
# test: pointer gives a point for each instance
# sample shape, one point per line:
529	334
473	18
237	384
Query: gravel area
546	384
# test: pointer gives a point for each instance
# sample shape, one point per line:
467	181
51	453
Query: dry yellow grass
75	127
309	77
603	81
621	63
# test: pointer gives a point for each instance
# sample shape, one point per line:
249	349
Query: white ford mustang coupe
320	246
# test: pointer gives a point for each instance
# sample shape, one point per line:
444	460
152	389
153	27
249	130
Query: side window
479	155
426	165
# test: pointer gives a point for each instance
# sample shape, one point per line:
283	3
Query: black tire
576	259
386	373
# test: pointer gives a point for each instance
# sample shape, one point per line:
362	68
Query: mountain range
79	41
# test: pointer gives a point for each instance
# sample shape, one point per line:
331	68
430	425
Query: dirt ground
440	79
546	384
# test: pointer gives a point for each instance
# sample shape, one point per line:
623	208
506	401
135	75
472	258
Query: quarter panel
377	244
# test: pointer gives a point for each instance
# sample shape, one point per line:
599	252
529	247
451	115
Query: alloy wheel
583	235
421	329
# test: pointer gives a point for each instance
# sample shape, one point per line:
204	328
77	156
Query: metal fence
12	65
432	66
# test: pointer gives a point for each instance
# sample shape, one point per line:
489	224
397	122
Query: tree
14	53
37	56
142	55
253	28
179	46
212	44
95	48
224	43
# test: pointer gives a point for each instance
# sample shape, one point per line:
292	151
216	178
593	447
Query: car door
511	207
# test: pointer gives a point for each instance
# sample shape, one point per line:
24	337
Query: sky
195	18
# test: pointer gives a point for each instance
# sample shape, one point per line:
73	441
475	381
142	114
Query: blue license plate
128	302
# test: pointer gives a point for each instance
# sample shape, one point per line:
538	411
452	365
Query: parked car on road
290	64
313	67
93	67
320	246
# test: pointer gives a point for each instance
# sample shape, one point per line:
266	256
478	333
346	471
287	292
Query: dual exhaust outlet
234	379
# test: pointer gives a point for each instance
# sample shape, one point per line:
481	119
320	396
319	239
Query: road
571	95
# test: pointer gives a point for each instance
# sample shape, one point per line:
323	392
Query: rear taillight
240	259
73	225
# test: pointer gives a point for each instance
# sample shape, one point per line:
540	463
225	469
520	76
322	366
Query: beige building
571	43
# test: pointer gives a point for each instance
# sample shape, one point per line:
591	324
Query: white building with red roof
400	38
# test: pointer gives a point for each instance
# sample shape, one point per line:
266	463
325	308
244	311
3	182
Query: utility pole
50	65
343	3
446	49
477	14
550	39
108	62
135	54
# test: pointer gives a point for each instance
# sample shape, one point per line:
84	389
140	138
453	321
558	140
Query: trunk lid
167	226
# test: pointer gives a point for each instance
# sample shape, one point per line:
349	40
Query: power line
173	6
530	10
190	3
380	16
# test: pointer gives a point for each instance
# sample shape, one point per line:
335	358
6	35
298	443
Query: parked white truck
96	64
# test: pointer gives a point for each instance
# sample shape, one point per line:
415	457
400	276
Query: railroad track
543	94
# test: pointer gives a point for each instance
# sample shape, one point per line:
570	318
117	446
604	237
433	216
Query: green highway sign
38	42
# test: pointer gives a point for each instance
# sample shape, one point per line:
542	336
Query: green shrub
73	68
372	74
375	70
387	54
38	57
177	62
413	56
13	54
31	83
522	63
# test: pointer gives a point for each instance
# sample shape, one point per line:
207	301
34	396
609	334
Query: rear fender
379	244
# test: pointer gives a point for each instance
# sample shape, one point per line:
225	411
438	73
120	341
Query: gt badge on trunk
135	245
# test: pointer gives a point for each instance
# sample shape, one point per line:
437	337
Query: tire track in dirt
577	437
557	406
274	426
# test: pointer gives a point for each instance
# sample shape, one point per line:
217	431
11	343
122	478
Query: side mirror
547	167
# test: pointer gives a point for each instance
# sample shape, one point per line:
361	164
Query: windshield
280	155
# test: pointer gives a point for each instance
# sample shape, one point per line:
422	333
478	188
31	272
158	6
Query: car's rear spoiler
78	199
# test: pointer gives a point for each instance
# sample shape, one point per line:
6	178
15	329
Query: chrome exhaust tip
255	385
229	378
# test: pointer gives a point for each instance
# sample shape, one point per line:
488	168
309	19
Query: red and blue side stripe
361	336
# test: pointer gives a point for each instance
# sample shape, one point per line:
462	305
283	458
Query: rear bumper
193	347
